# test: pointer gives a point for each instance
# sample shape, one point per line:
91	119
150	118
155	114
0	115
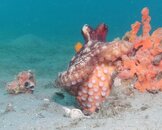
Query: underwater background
40	34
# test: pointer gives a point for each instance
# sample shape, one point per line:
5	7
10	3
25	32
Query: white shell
74	113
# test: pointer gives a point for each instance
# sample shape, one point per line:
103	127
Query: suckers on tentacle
96	88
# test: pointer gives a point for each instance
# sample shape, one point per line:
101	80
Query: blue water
59	19
40	34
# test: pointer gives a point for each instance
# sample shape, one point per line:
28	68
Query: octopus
24	83
89	76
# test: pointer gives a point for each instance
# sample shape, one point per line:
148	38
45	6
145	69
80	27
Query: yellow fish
78	46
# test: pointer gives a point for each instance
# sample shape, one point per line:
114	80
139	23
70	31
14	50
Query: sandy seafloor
125	109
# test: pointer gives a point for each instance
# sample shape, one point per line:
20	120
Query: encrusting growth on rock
146	61
24	83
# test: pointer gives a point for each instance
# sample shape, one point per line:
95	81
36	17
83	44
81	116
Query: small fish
78	46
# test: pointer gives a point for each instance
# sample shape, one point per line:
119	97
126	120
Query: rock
9	108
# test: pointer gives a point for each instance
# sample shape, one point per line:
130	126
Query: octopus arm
81	66
114	50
